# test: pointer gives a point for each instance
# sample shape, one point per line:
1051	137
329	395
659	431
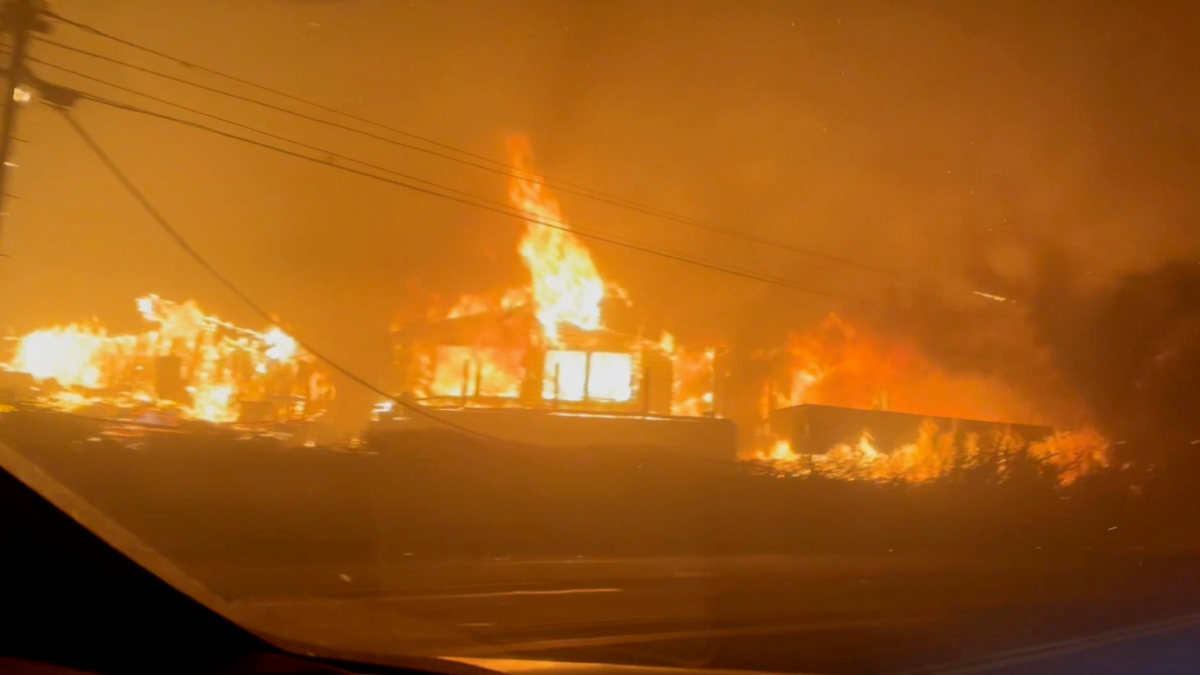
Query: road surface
825	614
365	552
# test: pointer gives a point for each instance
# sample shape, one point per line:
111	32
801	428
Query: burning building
844	403
188	364
502	358
546	363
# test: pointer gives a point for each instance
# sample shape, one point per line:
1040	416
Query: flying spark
991	296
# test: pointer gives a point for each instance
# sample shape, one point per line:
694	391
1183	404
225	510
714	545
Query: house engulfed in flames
189	364
550	360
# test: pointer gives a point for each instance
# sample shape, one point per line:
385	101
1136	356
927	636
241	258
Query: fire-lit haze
777	336
942	153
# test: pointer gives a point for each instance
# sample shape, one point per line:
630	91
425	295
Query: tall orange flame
565	284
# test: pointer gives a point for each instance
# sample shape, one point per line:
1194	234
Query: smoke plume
1119	354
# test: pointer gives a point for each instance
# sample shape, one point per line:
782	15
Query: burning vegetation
188	363
943	448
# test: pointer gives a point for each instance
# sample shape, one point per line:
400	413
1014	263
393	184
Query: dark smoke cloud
1122	354
1129	348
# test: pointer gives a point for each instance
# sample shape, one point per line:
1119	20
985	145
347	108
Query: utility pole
19	19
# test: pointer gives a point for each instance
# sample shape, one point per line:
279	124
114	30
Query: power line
179	240
323	151
182	242
475	202
503	169
508	210
500	168
195	66
188	64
